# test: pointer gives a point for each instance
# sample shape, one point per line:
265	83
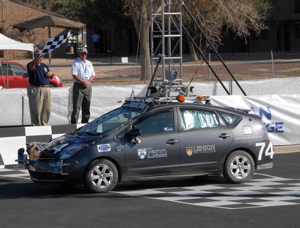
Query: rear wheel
101	176
239	167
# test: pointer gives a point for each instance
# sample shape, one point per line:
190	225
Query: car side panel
13	77
17	81
201	150
249	136
153	155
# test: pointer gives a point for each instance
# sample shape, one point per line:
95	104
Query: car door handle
172	141
224	135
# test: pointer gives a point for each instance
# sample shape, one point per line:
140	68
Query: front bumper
53	173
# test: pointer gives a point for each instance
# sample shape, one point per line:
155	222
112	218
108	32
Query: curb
286	149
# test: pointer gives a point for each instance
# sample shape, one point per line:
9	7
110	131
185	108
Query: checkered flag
55	42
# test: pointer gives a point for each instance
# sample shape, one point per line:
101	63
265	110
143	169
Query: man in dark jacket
38	91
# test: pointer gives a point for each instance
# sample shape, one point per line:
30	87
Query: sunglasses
83	54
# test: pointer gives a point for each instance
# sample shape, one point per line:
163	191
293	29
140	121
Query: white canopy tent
10	44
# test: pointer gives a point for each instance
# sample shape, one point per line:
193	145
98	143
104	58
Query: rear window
195	119
230	118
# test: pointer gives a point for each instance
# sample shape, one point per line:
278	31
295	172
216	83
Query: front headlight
71	150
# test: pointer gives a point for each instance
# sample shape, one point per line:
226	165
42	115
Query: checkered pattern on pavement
262	191
14	173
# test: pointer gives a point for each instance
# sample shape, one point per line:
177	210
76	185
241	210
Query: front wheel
101	176
239	167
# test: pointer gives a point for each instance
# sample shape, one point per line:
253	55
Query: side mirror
135	132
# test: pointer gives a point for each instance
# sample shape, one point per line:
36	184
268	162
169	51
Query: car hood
58	144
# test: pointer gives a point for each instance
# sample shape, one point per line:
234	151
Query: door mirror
135	132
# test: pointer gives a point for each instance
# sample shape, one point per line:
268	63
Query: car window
157	123
17	70
4	70
230	118
194	118
109	121
12	69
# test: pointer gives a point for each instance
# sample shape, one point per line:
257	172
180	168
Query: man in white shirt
83	74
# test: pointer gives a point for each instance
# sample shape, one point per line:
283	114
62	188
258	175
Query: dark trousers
81	100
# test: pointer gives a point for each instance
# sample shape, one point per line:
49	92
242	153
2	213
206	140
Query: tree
218	17
104	15
42	4
139	10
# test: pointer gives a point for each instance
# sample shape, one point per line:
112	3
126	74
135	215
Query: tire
101	176
239	167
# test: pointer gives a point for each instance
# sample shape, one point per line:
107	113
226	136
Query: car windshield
109	121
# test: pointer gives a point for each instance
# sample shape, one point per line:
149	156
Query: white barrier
14	105
14	108
280	112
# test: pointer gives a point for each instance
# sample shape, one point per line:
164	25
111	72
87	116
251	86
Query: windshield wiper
92	133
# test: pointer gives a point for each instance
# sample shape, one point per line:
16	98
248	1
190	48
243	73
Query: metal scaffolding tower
166	43
166	47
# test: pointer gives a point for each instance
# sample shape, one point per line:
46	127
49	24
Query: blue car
155	137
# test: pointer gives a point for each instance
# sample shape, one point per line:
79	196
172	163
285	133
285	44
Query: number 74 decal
266	151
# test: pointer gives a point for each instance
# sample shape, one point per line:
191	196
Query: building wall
281	35
12	13
282	24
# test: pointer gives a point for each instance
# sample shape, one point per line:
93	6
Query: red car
12	75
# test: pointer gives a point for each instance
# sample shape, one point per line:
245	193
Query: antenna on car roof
191	80
150	87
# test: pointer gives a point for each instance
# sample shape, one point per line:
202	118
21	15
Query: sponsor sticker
205	149
142	153
189	151
150	153
103	148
